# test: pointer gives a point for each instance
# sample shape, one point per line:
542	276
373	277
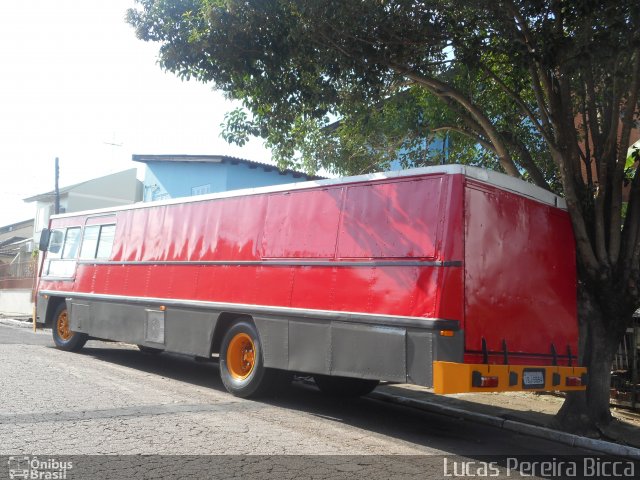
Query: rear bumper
450	377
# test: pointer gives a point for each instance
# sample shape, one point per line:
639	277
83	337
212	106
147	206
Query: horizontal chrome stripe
289	263
59	279
334	315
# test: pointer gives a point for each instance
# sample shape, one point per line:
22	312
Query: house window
201	189
159	195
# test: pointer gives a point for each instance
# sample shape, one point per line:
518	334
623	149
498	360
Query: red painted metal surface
520	275
408	227
512	275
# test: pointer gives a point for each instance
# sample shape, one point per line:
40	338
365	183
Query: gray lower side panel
419	353
42	303
354	350
309	347
368	351
391	353
123	323
175	330
189	331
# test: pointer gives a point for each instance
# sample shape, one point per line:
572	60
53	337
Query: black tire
344	387
64	338
242	367
149	350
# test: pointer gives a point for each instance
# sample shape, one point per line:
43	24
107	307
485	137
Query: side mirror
44	239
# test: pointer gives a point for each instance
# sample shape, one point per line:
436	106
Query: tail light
483	381
574	382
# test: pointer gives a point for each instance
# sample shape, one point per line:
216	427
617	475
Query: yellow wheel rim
241	356
62	325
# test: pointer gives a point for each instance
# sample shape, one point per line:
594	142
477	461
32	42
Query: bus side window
71	243
63	250
97	242
55	243
90	242
105	243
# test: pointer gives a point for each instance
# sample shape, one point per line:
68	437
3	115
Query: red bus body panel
244	229
441	246
520	275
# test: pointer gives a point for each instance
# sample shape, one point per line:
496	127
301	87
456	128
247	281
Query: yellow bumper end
449	377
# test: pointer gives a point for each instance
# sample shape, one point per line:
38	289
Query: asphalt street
112	399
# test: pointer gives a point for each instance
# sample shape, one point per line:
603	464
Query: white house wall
16	302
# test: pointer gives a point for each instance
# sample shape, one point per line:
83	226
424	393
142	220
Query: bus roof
500	180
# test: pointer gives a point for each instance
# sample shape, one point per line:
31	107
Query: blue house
171	176
429	147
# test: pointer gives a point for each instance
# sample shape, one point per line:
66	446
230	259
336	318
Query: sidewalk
18	321
529	413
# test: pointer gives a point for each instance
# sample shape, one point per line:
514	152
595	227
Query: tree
547	88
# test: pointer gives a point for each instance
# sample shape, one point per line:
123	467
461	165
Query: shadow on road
372	416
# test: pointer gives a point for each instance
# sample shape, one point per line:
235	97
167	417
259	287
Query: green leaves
237	128
300	66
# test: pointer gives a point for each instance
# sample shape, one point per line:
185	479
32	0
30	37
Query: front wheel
242	367
343	386
63	336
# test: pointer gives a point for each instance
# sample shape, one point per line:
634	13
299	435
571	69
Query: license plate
533	378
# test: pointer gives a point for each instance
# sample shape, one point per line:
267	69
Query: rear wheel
344	386
63	336
242	367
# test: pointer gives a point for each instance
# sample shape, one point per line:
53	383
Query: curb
570	439
16	323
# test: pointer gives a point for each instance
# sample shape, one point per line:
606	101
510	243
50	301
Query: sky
74	81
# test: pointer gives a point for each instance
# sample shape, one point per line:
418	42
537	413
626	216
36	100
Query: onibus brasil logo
33	468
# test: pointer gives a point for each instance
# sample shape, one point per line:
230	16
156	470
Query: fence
17	275
625	379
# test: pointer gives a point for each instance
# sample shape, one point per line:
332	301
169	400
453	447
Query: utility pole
57	188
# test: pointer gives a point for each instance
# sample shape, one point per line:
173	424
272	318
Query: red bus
450	277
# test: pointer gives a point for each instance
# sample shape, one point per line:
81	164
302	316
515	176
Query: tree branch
618	175
442	89
516	98
583	243
475	137
587	157
571	142
592	110
535	69
526	161
540	98
609	152
631	238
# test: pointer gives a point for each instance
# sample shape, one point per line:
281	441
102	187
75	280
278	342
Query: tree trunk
588	413
602	350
